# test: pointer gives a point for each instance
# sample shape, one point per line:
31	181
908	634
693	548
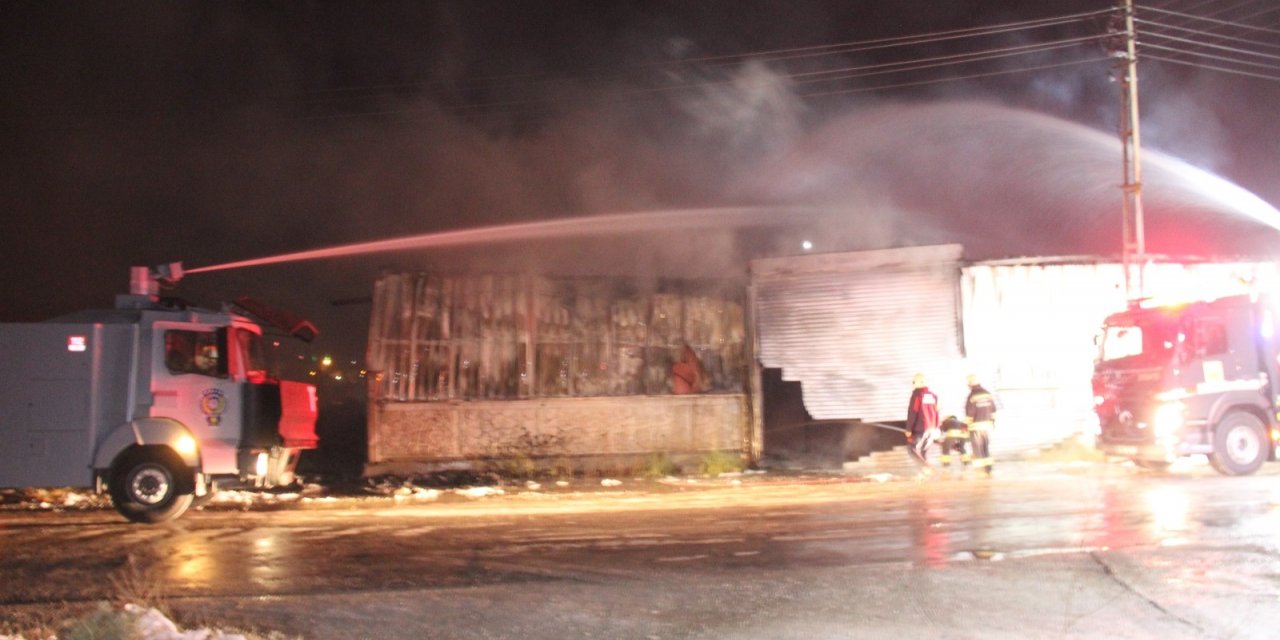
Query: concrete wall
405	434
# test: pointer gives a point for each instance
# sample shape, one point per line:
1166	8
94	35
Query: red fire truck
1185	379
153	401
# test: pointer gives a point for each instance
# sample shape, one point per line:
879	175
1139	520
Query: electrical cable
846	72
784	53
1220	47
1247	63
954	79
960	58
930	65
1219	22
884	43
1199	32
1212	67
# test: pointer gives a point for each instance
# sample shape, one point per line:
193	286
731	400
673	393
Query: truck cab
1184	379
153	401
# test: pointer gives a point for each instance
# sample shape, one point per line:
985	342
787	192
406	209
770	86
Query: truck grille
1127	423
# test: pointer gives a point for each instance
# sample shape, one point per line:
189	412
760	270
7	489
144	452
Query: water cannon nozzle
144	281
168	274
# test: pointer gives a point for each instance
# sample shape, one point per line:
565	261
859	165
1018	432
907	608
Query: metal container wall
435	338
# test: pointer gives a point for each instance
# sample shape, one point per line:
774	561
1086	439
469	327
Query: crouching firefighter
980	416
955	441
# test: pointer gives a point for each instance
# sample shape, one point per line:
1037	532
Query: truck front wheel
148	487
1239	444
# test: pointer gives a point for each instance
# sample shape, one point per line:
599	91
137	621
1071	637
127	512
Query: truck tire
1239	444
148	487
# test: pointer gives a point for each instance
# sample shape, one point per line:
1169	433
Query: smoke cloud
207	134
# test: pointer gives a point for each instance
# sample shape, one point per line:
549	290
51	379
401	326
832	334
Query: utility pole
1134	241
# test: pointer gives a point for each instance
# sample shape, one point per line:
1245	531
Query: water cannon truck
1177	380
153	401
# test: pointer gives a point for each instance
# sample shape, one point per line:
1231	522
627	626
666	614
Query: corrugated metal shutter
853	328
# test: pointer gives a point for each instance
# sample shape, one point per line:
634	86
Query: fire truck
1185	379
153	401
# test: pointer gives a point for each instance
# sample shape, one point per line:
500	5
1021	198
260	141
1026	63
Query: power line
843	73
884	43
1210	56
1222	11
959	58
1224	23
475	109
1219	36
955	78
909	65
1214	46
770	55
1212	40
1213	68
871	70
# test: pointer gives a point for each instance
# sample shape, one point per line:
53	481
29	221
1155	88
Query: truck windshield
196	352
1144	343
253	354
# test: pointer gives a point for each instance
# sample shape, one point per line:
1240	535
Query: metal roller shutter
853	328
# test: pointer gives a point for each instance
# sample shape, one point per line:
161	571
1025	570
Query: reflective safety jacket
980	408
955	429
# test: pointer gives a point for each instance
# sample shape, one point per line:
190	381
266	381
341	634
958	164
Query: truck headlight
185	445
1168	419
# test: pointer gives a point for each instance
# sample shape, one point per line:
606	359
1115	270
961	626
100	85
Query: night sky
137	133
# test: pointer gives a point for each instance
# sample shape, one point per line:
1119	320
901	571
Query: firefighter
980	416
922	421
955	438
686	375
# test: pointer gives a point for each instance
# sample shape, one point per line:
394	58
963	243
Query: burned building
560	371
578	371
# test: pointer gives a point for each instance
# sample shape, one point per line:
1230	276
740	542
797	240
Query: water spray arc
579	227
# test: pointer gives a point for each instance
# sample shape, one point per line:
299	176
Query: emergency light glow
185	445
77	344
1168	419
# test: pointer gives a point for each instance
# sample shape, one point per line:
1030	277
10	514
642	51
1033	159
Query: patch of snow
532	486
153	625
610	482
479	492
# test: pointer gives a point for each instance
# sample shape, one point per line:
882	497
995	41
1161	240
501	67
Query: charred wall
477	367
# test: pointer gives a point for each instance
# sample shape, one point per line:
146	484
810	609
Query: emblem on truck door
212	403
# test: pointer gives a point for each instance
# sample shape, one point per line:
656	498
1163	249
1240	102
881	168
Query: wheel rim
1243	445
149	485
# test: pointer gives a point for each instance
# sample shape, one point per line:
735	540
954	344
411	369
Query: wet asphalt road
1042	550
